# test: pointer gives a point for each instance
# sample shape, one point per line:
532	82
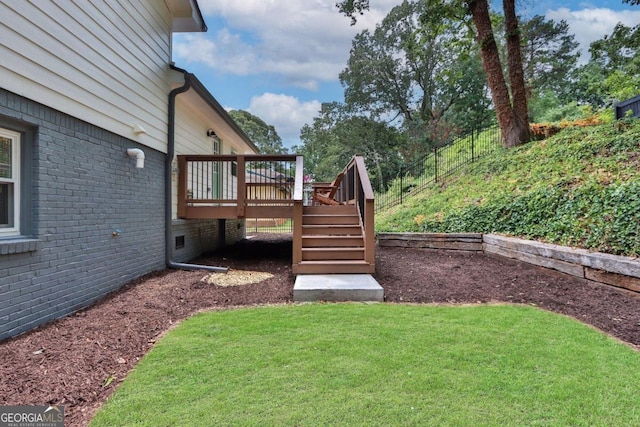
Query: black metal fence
439	164
268	225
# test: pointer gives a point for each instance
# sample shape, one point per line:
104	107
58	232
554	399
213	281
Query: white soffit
186	16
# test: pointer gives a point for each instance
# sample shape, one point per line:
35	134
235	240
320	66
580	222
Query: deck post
182	187
242	186
298	196
369	212
369	234
297	233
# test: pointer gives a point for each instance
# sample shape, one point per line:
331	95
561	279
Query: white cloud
592	24
302	43
286	113
225	53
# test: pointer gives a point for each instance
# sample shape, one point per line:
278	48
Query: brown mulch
79	360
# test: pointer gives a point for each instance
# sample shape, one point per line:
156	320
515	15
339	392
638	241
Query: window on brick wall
17	141
10	190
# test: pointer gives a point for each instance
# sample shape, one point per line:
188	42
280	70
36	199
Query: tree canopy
509	96
432	68
415	74
337	134
613	72
550	54
264	136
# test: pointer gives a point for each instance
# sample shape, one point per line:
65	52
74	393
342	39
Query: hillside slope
579	188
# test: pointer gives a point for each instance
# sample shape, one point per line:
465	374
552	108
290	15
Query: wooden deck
335	238
237	186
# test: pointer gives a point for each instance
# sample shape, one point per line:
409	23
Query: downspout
171	148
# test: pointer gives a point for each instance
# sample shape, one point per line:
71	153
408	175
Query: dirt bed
79	360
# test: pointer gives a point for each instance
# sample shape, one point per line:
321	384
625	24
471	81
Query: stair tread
333	223
335	261
330	214
332	236
331	230
313	220
333	248
329	207
333	254
330	225
335	234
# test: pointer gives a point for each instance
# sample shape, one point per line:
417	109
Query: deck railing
237	186
355	188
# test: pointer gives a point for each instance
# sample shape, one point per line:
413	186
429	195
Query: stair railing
356	189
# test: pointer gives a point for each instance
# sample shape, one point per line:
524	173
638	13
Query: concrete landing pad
337	287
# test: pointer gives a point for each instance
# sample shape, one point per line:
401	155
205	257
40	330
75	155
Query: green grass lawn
380	365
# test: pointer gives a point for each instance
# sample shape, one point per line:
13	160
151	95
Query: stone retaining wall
622	272
448	241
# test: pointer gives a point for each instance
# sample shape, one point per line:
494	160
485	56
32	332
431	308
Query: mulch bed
79	360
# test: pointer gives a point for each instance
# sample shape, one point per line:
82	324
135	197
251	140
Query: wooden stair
332	241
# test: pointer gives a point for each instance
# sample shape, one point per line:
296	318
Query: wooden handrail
364	177
366	208
234	157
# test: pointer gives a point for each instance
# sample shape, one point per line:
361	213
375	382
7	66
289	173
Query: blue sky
280	59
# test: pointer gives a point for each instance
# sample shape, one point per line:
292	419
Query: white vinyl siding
193	118
105	62
191	136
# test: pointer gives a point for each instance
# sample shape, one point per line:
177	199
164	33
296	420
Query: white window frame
13	230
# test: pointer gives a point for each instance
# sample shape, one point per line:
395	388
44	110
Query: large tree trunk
516	71
511	125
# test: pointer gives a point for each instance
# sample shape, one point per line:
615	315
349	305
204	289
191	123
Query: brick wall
235	231
201	236
198	236
97	222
